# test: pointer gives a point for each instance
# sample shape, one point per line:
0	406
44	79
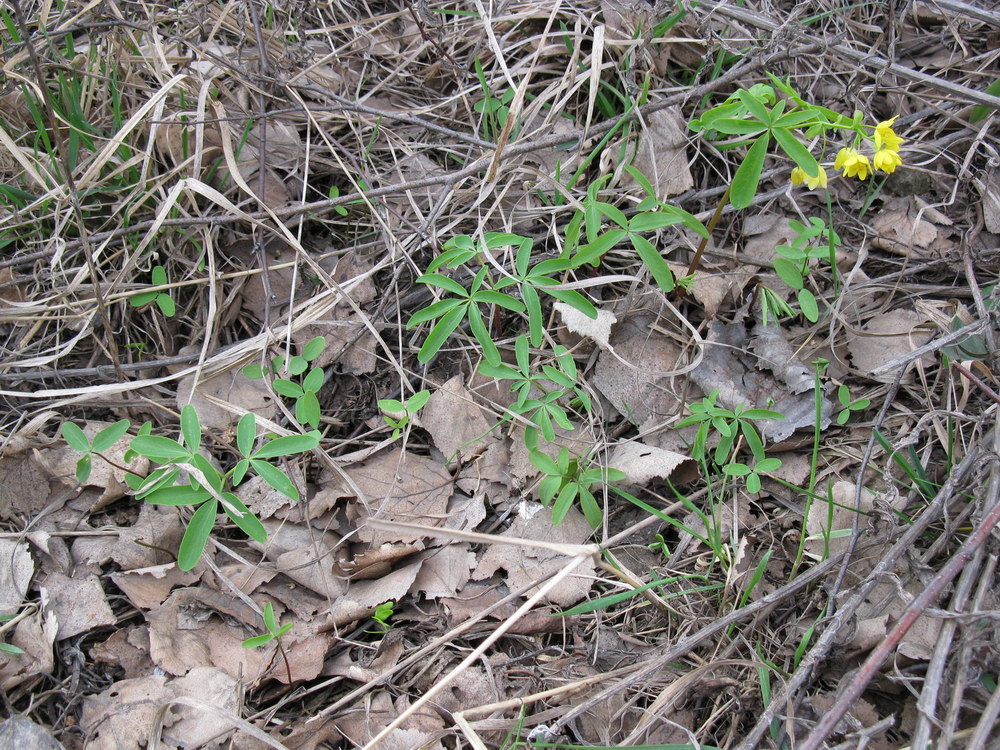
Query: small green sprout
307	410
568	478
273	633
162	299
381	616
399	414
858	404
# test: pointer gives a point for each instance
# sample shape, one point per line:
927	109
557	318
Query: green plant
382	614
399	414
850	405
304	391
540	396
751	474
186	477
569	478
651	215
103	440
729	423
274	633
974	346
531	280
494	109
163	300
793	265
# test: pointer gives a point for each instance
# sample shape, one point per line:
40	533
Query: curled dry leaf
525	565
79	603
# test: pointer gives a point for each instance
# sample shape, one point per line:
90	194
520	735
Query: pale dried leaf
399	486
203	729
16	569
122	716
149	587
445	570
642	462
526	565
598	329
79	603
361	599
635	389
990	192
24	487
901	230
34	635
230	388
661	152
770	344
22	733
456	423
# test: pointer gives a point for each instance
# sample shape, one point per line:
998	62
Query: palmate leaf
275	477
248	522
288	445
654	262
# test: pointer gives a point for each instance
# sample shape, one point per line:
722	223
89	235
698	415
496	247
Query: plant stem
696	261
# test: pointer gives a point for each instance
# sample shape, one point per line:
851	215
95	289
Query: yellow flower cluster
856	164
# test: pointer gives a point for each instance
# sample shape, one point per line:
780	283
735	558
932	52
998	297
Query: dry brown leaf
122	716
228	387
128	649
661	153
360	727
642	462
770	344
149	587
79	603
286	283
710	287
634	389
990	192
599	329
445	570
16	569
375	562
525	565
305	555
887	337
24	486
362	598
740	379
34	635
456	423
194	727
820	523
22	733
399	486
901	230
196	627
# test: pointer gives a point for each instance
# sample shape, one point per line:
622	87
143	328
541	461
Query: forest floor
493	366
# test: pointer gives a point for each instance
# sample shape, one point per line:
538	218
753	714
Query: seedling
304	391
751	475
729	423
162	299
399	414
103	440
383	613
273	633
793	265
850	405
568	478
186	477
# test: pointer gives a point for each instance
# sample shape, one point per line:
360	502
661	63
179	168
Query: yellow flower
799	176
885	136
887	160
854	163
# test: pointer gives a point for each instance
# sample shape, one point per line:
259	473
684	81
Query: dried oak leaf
525	565
399	486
